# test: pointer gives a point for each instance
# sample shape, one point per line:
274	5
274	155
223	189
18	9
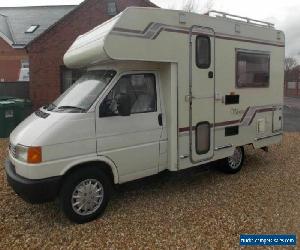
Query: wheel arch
105	163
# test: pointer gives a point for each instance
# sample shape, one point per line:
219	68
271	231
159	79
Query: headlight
21	153
28	154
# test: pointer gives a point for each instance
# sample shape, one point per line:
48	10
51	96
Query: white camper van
163	90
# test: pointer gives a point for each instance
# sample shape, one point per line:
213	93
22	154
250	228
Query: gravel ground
191	209
291	119
291	114
292	101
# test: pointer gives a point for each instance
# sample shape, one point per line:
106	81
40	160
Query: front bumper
33	191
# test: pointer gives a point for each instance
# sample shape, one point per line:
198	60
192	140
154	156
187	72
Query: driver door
131	141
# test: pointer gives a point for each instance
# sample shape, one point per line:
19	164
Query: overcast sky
285	14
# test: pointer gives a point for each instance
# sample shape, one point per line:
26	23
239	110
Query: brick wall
46	52
10	61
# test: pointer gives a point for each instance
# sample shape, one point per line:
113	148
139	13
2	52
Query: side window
203	52
138	91
202	137
252	69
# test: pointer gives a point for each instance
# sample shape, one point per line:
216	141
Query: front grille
12	150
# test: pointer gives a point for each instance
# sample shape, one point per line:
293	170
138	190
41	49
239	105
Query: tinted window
141	90
203	52
253	70
202	137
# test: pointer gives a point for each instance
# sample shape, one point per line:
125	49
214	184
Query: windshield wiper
71	107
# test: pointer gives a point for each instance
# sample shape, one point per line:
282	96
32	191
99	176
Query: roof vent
32	28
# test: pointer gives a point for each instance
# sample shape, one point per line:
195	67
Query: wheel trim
235	160
87	197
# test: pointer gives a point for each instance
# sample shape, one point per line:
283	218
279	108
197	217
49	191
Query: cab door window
135	91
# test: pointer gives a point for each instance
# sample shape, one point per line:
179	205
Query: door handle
210	74
160	122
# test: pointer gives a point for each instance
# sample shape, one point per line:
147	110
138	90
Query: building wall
46	52
10	62
292	82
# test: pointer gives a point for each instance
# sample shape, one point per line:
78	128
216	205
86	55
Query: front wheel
84	194
234	163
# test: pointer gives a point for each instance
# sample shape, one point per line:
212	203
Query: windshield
83	93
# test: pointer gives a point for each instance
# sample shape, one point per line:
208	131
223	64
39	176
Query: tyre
85	194
234	163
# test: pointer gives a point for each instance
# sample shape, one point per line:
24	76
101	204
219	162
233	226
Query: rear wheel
85	194
234	163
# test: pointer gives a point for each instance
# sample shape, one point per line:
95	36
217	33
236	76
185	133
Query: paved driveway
291	112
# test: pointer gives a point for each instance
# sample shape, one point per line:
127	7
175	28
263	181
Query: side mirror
124	105
104	110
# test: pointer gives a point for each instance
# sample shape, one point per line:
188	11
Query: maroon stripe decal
222	124
244	115
185	129
147	27
127	30
249	41
224	38
186	31
132	30
158	33
234	122
260	111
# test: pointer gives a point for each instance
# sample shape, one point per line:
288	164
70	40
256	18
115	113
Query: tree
289	64
291	69
190	6
198	6
208	6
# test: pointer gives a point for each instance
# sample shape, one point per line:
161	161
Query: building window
112	8
252	69
140	89
203	53
24	71
69	76
32	28
25	63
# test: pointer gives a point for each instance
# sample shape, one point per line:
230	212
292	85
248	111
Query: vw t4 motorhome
162	90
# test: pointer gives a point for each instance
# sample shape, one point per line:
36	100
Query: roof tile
14	21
